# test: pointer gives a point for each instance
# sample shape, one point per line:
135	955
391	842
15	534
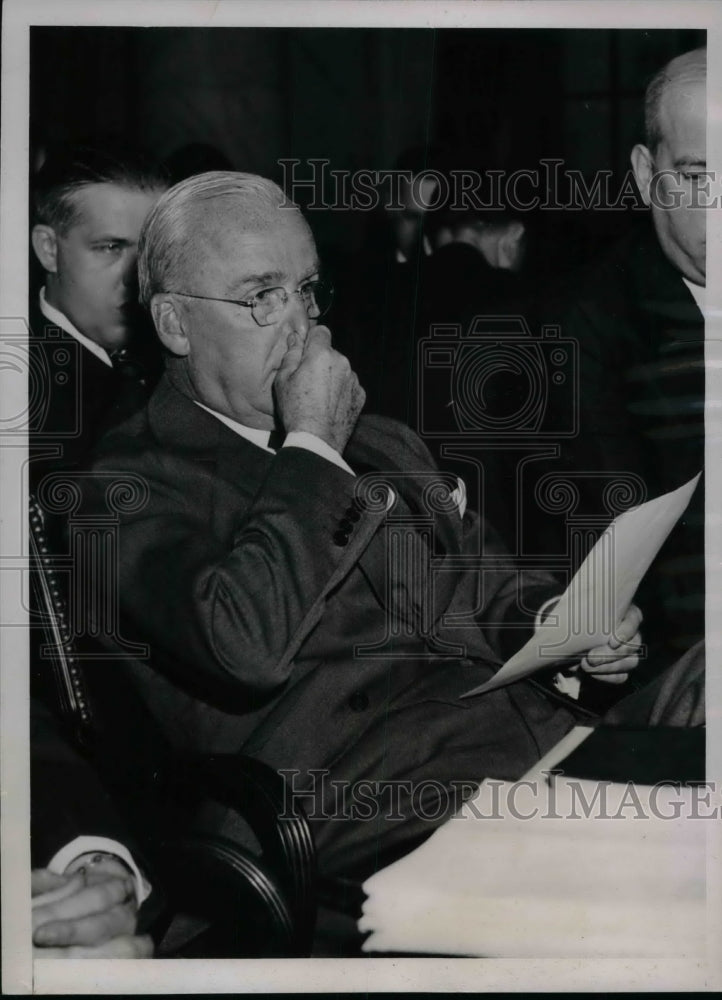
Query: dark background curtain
359	98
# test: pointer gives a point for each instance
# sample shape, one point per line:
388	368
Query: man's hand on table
88	912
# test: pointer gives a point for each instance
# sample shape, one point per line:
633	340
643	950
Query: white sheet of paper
602	589
510	876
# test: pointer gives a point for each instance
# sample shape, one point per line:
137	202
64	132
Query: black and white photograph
360	548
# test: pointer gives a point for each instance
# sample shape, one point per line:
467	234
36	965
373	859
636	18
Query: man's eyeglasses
268	306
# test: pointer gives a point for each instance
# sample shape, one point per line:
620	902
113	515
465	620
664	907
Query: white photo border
321	975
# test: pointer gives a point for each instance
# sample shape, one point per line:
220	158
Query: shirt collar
252	434
61	320
699	293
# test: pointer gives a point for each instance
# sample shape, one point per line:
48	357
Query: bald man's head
683	74
671	167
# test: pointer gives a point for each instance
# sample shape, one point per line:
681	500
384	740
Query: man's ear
511	246
45	245
643	168
169	324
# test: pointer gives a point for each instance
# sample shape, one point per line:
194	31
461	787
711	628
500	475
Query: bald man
637	315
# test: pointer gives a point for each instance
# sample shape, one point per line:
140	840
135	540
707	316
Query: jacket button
353	515
345	525
340	538
359	701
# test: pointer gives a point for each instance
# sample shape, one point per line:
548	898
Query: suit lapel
417	483
416	595
179	423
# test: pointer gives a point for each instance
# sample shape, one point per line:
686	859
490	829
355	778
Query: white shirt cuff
88	845
544	611
459	497
565	683
304	439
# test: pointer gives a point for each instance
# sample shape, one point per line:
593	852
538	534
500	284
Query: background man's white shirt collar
61	320
699	292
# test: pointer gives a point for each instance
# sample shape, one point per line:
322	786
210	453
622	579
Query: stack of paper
621	881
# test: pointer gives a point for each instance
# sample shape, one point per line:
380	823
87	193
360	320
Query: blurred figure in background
376	287
194	158
475	268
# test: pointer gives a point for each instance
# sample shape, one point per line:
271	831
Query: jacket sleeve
68	799
236	608
485	598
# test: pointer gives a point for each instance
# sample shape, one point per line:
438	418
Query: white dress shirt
294	439
699	293
61	320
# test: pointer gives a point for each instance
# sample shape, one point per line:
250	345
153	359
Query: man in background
638	318
87	887
90	364
462	294
90	368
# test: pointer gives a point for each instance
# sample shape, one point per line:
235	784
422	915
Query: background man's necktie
128	366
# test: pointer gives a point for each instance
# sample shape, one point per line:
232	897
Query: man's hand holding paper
595	614
613	661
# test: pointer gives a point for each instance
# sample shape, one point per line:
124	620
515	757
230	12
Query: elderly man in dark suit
320	604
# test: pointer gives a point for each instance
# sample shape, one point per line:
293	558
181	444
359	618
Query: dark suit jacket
74	397
68	798
640	412
279	626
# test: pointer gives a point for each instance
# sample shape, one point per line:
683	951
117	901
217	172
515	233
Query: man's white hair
167	249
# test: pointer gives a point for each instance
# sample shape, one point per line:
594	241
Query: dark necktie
276	439
127	366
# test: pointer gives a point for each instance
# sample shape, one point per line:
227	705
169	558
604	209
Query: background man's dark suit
68	798
641	411
75	397
255	576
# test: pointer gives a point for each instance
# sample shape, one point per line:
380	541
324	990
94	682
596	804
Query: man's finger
605	654
43	882
293	356
628	626
128	946
611	665
91	899
70	886
91	930
318	339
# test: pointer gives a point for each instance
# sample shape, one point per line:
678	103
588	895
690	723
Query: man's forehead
110	204
684	106
226	221
233	250
242	213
